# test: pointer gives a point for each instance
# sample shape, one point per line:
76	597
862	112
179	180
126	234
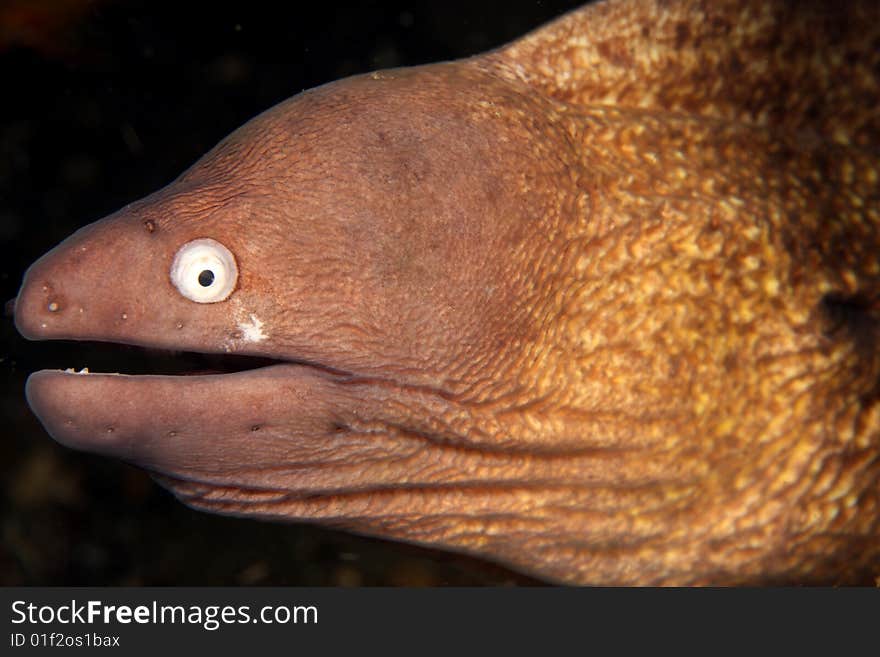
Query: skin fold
600	305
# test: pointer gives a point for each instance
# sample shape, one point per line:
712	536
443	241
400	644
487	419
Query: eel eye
204	271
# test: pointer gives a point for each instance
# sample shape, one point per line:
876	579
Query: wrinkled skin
598	335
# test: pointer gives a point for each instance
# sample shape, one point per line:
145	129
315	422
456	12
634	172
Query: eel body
601	305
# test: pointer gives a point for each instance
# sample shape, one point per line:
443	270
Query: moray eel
600	305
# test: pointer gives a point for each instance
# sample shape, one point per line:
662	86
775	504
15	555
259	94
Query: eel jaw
199	425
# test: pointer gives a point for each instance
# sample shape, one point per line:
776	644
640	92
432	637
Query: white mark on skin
248	328
252	330
85	370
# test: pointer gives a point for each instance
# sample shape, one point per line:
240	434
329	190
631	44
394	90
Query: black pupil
206	277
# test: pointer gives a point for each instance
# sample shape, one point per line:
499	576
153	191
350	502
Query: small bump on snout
37	308
150	225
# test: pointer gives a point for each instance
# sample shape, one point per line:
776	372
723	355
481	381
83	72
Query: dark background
102	103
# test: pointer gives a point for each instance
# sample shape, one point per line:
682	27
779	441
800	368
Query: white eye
204	271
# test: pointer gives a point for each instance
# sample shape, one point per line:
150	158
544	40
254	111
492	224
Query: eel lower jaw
147	418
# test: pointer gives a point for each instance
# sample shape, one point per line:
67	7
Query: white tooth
70	370
84	370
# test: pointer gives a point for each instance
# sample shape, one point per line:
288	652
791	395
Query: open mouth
167	405
113	358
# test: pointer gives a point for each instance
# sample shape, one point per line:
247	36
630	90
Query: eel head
492	328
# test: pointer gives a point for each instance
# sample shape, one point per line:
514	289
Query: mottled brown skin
601	305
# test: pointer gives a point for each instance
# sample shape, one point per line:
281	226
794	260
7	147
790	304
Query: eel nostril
9	307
